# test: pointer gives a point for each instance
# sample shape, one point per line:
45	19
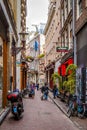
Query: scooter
16	104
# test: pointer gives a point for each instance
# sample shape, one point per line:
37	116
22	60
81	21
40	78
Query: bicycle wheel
70	112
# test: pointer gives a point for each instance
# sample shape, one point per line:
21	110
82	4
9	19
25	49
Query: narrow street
39	115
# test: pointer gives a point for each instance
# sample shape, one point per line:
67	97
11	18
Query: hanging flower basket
29	58
41	56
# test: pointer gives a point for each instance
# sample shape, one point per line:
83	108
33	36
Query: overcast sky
37	11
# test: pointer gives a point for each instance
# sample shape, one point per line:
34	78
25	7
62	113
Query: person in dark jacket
45	91
37	86
55	91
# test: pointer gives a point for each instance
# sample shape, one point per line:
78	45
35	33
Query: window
66	37
86	3
70	44
63	41
80	6
66	8
71	2
62	17
71	31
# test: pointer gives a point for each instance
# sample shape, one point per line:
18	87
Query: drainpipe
74	36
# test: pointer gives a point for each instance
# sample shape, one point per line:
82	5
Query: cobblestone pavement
80	123
39	115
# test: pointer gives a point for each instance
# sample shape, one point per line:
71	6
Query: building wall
8	34
81	32
66	24
14	8
82	47
52	36
81	17
18	44
52	39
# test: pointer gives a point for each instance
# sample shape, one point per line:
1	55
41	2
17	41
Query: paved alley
39	115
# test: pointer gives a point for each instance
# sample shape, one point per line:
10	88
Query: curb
4	114
59	106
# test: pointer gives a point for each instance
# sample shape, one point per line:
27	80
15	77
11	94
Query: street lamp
23	37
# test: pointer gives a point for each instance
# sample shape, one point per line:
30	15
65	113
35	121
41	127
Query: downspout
74	36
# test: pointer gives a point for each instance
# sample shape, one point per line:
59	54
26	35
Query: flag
36	45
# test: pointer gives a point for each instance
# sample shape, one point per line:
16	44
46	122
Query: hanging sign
62	49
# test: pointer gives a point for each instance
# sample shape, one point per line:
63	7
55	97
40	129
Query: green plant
71	69
55	77
65	86
71	76
29	58
41	55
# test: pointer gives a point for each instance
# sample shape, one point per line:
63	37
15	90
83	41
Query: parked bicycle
77	108
72	109
82	110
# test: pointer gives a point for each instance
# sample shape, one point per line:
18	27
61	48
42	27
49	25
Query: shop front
49	70
65	61
81	73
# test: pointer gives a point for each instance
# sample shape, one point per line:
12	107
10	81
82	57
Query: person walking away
46	91
55	91
33	88
37	86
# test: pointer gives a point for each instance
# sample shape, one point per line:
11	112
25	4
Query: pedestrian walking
55	91
37	86
33	88
45	91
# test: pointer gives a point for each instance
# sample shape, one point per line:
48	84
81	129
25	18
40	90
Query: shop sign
0	50
62	49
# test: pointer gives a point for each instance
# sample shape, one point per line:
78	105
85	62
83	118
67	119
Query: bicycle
82	110
72	109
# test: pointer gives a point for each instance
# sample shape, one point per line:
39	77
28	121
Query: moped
16	105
